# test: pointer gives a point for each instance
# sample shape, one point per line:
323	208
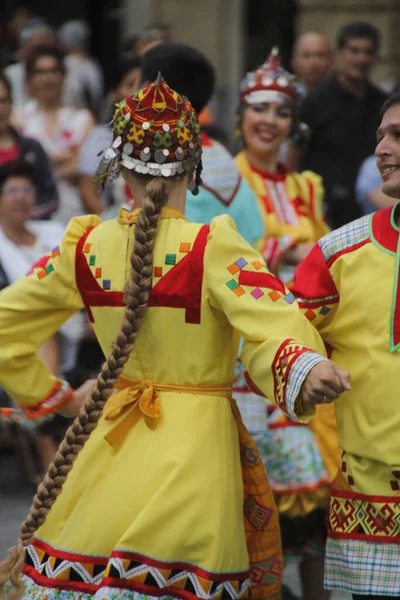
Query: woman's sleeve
315	193
31	311
280	346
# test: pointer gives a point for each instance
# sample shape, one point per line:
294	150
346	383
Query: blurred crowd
54	123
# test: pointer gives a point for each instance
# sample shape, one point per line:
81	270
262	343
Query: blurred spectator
33	34
125	83
22	243
13	146
343	114
312	58
61	129
153	34
369	188
84	87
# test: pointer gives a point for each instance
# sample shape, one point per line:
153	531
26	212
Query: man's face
357	58
387	152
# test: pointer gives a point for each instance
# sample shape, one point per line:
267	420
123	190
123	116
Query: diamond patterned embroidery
106	284
49	269
170	259
257	265
92	260
289	298
274	295
325	310
55	252
310	315
241	262
87	248
184	247
235	287
157	271
257	293
98	273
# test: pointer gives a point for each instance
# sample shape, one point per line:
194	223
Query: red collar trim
385	232
280	176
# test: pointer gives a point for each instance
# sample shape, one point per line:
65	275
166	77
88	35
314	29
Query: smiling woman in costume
300	460
167	497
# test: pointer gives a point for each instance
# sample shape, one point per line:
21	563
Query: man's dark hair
123	66
393	100
17	168
185	69
357	30
39	52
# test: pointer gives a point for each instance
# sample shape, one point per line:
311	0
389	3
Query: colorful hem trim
33	591
62	570
355	516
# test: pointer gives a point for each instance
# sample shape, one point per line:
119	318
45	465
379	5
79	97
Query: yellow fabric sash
135	399
129	217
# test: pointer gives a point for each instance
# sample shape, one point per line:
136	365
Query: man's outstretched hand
324	383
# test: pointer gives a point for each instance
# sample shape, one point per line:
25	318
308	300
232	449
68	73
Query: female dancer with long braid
168	497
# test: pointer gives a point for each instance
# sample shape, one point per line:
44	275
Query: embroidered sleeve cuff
300	368
60	394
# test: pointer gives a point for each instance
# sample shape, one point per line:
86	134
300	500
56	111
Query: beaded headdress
155	132
269	83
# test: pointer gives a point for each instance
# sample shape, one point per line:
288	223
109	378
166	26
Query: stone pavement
15	499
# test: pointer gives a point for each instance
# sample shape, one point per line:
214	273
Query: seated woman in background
61	129
300	460
23	242
13	146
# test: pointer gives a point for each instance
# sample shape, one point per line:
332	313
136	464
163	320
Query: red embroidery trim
261	280
91	292
54	400
382	539
383	231
225	202
181	287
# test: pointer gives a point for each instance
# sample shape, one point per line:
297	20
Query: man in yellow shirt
348	287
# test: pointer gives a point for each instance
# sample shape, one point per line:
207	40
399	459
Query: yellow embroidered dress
157	507
348	287
300	460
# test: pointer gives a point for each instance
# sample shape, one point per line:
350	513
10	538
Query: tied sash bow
128	405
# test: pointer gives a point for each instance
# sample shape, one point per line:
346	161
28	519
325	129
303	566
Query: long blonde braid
137	292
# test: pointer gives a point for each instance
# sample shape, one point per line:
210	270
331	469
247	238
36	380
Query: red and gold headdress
269	83
155	132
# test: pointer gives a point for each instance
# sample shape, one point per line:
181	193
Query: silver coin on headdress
180	123
117	142
165	127
192	149
267	81
128	148
165	172
159	156
179	153
282	81
128	116
146	125
145	154
109	153
166	152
